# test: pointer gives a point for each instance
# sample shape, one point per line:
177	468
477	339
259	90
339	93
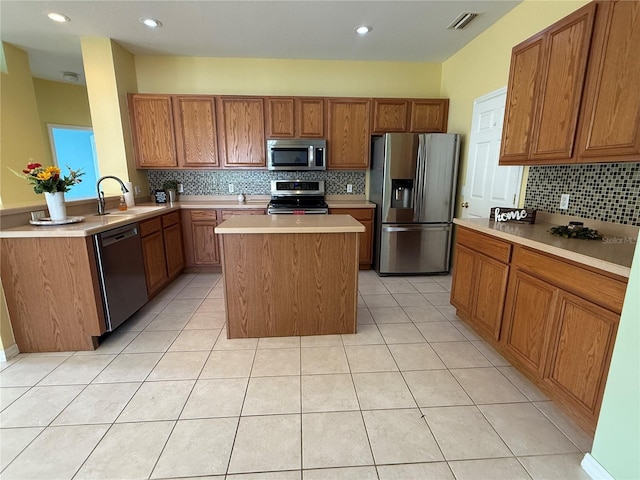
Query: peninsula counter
290	275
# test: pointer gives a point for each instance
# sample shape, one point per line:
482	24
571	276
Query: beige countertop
93	224
248	224
350	204
612	254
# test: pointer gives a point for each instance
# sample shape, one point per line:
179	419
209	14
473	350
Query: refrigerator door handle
419	186
413	228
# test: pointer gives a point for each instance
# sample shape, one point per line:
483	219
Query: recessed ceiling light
150	22
363	29
57	17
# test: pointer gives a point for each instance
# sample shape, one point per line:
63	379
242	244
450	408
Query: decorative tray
48	221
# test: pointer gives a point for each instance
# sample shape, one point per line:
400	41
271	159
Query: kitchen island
290	274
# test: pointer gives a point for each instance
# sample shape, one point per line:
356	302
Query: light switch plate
349	188
137	189
564	201
231	188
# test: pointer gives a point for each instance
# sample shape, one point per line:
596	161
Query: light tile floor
415	394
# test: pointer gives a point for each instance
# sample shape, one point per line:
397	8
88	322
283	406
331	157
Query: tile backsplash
253	182
609	192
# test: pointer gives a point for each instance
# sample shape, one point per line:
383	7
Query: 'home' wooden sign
513	215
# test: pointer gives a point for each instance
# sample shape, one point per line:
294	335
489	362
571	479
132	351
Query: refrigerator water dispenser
402	196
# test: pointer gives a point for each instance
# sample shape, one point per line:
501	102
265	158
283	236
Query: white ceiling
410	31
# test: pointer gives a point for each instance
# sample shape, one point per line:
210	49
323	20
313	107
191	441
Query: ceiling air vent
462	20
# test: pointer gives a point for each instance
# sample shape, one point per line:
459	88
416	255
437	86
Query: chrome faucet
101	194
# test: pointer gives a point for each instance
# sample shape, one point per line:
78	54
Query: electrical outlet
564	201
349	188
137	190
37	214
180	188
231	188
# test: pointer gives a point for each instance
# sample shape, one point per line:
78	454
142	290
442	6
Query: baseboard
594	469
9	352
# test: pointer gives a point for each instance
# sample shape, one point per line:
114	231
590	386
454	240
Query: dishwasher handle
118	235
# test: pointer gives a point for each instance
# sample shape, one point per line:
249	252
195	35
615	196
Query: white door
487	184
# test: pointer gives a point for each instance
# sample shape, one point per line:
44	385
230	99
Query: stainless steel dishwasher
121	272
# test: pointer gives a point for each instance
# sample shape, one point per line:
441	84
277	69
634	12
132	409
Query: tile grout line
155	464
422	416
128	402
301	412
244	398
355	390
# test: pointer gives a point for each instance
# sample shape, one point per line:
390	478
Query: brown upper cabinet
556	118
207	131
429	115
609	126
349	136
154	141
241	128
390	115
572	95
521	101
546	80
410	115
281	117
299	117
195	127
310	117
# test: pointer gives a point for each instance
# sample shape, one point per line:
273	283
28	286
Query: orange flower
48	179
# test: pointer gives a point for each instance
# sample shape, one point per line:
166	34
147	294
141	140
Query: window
75	146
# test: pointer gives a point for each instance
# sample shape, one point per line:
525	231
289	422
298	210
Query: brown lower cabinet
481	263
200	241
553	319
365	217
162	250
201	244
52	290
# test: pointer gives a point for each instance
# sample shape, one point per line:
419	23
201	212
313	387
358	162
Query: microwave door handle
311	160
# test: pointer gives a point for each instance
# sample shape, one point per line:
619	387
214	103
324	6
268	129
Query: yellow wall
110	74
60	103
126	82
483	65
20	134
252	76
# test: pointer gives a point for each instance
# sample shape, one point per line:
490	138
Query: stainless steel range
297	197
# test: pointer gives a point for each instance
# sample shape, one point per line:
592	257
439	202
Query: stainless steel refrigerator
413	181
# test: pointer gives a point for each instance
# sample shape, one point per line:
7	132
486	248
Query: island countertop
247	224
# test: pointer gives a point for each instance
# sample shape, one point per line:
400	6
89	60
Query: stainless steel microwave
296	154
